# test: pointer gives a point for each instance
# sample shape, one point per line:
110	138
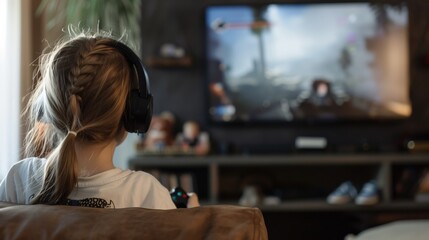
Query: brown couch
65	222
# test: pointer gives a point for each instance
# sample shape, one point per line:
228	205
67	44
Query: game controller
180	197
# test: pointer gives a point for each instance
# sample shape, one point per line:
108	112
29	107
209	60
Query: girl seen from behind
76	117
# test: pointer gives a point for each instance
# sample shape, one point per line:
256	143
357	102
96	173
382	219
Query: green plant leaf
110	15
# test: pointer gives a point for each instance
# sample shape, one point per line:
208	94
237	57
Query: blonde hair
81	94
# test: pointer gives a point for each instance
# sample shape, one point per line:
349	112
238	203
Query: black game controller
179	197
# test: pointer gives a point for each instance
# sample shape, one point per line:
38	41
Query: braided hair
81	94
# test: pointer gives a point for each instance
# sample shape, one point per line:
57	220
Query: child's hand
193	200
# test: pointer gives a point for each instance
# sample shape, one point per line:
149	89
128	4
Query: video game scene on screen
287	62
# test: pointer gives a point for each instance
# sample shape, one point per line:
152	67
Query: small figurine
160	135
192	140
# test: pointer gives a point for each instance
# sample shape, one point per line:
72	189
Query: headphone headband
136	64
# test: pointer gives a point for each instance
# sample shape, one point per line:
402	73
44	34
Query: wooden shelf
169	62
302	181
321	206
314	205
223	176
306	159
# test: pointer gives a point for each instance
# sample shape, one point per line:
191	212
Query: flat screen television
294	62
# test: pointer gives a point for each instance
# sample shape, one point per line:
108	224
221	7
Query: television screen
295	62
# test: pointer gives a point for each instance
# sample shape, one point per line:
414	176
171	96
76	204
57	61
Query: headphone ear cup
149	113
138	112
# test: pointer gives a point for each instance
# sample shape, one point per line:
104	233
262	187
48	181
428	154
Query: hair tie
73	133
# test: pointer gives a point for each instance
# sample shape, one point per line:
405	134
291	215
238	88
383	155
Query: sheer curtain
10	78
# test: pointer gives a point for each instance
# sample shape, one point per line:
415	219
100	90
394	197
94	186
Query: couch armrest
66	222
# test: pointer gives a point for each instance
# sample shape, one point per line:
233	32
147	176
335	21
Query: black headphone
139	106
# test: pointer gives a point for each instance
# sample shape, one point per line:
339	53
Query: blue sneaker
345	193
369	195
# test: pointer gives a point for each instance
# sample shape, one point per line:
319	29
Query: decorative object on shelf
170	56
416	146
193	140
160	138
160	135
170	50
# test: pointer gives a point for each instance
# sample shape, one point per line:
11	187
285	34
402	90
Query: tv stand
303	181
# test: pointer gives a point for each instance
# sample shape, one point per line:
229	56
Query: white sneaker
345	193
369	195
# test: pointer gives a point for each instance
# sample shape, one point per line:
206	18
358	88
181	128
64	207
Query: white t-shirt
114	188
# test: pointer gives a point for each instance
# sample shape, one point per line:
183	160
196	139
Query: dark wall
181	90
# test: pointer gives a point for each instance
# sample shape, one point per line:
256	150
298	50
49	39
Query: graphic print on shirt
90	202
87	202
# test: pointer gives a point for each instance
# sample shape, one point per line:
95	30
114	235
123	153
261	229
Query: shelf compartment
291	182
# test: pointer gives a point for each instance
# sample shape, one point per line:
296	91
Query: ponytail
60	173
